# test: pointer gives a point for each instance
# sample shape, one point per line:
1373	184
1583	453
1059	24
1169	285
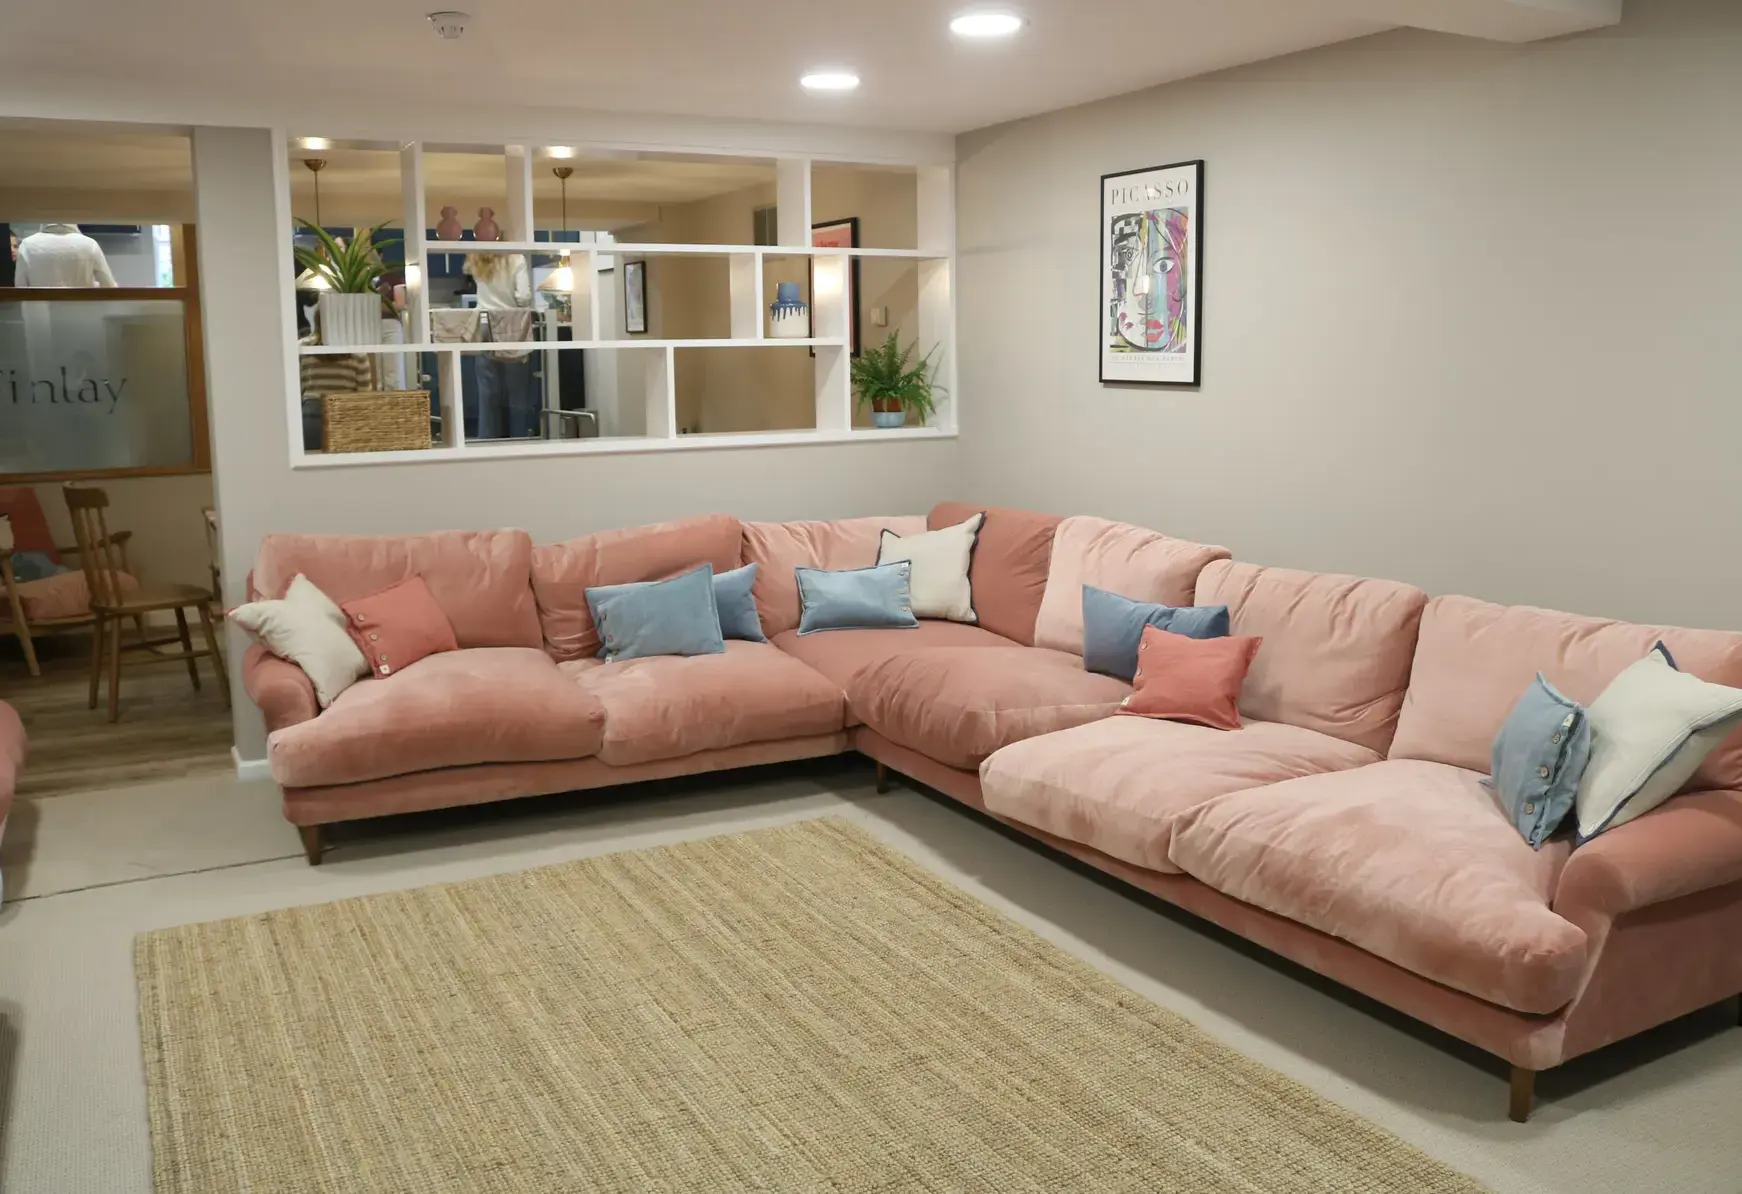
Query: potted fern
350	305
892	383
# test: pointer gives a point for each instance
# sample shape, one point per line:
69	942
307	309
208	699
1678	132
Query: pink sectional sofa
12	746
1343	826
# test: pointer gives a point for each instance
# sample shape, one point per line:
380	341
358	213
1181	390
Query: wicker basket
375	421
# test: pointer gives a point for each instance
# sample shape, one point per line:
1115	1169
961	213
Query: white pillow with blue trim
1650	731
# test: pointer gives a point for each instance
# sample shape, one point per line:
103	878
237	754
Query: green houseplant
891	382
350	305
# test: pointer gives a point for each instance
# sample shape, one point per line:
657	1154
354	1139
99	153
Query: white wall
242	212
1471	315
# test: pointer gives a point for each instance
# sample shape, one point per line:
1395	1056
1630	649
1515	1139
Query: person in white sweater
61	255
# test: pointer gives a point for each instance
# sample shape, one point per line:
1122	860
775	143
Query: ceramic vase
789	318
449	229
349	319
894	417
486	228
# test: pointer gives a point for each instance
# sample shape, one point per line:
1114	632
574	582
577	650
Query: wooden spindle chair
111	605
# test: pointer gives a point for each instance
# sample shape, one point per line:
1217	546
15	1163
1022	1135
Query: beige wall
164	514
1471	315
246	287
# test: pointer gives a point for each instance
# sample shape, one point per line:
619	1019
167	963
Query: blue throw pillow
664	617
878	598
1539	758
34	565
737	607
1113	628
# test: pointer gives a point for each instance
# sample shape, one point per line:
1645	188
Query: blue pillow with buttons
1539	757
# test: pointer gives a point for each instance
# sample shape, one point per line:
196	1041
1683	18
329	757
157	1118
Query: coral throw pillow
399	626
1190	679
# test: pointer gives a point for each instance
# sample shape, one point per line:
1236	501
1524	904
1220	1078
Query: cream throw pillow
940	568
309	630
1650	730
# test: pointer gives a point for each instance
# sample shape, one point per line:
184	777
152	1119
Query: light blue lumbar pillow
879	598
1539	757
1113	628
732	597
664	617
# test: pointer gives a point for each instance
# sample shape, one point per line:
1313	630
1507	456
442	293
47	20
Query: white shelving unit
830	311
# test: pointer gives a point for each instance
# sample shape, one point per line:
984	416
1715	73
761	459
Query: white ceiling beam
1494	20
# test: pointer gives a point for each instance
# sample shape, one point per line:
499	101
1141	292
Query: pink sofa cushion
481	579
398	626
1475	659
1133	562
63	595
563	572
1337	649
12	747
482	705
668	706
1195	680
1120	785
842	654
957	705
1011	560
1413	862
779	547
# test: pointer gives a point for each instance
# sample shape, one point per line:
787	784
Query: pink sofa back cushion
779	547
481	579
1011	559
1133	562
1476	658
563	572
1336	652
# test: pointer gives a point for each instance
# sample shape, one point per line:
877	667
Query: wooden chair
32	534
111	604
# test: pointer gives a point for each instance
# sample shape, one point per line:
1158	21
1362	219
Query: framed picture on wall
1152	274
635	297
840	234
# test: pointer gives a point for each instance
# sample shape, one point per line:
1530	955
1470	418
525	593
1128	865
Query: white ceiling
712	58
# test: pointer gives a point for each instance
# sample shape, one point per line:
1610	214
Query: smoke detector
451	25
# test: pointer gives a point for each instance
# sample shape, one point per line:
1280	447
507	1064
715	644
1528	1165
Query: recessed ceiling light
560	152
986	24
829	80
316	143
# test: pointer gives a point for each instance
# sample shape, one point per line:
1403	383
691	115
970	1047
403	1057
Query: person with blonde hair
507	404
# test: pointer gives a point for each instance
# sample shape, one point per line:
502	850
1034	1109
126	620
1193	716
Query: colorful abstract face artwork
1151	262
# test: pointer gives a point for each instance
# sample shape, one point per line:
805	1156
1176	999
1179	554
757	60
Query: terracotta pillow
399	626
1190	679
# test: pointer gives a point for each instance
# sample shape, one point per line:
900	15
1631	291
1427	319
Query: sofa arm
1691	844
283	691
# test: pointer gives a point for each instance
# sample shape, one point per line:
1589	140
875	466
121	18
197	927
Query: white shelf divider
451	386
746	282
416	256
834	388
792	197
661	375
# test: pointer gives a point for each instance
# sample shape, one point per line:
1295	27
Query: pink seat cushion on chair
64	595
1120	785
668	706
455	709
1412	861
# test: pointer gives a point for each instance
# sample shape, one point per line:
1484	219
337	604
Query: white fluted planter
349	319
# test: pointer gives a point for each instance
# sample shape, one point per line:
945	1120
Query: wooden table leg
187	647
312	842
882	778
1523	1094
114	669
98	630
217	656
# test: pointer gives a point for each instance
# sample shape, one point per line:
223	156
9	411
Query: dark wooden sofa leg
882	779
313	842
1523	1094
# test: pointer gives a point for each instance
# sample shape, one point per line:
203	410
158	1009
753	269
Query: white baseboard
250	768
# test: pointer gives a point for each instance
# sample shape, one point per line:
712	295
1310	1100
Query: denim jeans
507	403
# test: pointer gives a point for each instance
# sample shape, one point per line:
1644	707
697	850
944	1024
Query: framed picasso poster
1152	269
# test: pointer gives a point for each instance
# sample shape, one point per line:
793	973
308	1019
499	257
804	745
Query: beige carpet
798	1008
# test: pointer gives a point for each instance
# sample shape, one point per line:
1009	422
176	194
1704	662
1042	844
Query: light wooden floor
166	728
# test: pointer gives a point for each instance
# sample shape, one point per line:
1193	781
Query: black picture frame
855	321
1195	279
635	314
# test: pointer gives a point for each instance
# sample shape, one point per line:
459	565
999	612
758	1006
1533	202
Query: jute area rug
793	1009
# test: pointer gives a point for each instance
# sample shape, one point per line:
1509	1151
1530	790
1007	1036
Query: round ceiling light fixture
983	25
451	25
829	80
